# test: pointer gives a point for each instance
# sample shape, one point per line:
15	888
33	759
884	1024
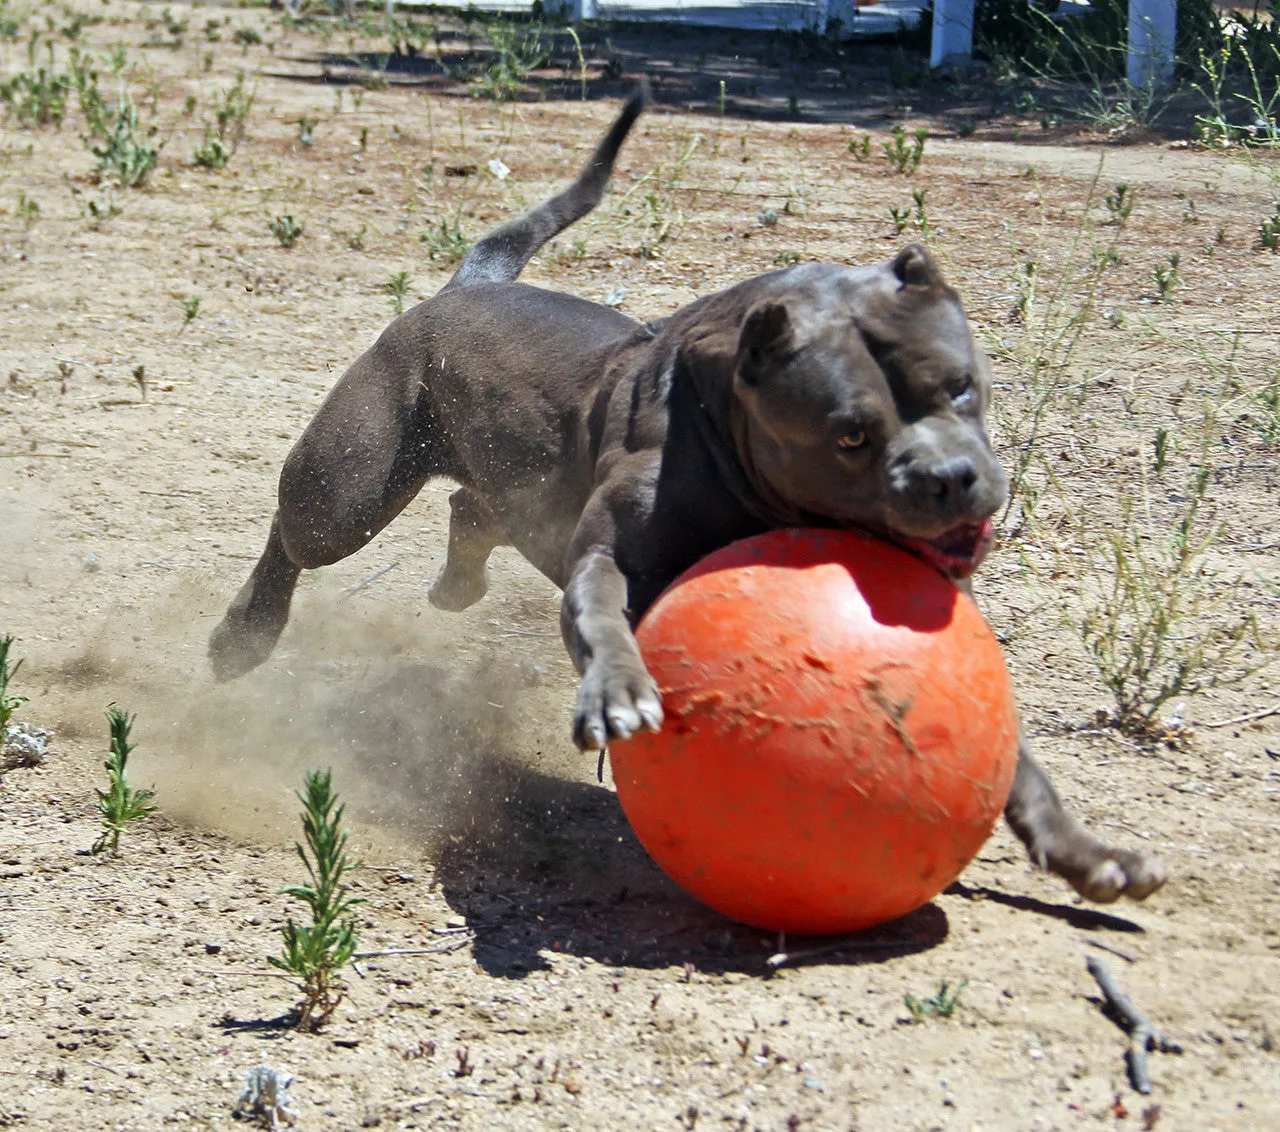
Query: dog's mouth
957	553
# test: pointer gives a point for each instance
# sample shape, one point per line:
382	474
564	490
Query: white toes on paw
1146	879
1106	883
1109	880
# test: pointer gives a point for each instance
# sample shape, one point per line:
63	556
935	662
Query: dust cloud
425	723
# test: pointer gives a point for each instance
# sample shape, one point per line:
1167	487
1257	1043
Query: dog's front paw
614	702
1098	871
1121	872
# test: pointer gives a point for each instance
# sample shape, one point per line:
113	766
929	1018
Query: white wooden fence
1152	23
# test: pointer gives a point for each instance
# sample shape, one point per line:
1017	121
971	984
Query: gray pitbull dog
614	454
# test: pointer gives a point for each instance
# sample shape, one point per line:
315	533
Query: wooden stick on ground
1252	717
1143	1036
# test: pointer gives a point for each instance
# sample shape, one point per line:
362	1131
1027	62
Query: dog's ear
914	267
767	335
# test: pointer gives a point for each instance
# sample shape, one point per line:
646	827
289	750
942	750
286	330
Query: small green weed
1264	410
446	244
1053	309
1166	276
120	803
317	954
901	217
190	308
520	51
28	211
306	126
212	153
8	704
37	97
96	111
922	216
786	259
286	230
127	156
101	211
940	1005
905	156
1161	447
860	147
176	26
116	57
397	288
233	114
223	136
661	218
1119	204
1269	230
1160	624
1025	282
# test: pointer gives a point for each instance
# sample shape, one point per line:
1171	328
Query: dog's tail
501	255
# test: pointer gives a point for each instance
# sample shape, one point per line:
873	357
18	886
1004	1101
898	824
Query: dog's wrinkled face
861	399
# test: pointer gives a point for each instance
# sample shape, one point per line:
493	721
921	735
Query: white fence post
1152	27
952	32
842	10
575	10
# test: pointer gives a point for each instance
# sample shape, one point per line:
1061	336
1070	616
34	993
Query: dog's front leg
617	697
1059	843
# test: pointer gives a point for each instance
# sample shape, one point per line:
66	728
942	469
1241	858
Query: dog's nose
949	478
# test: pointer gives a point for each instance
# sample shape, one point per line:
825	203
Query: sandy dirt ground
559	980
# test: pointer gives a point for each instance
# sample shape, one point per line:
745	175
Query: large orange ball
840	732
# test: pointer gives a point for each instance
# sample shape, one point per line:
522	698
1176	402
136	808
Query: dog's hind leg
256	617
258	614
363	457
473	534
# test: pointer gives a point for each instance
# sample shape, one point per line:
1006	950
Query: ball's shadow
539	863
557	869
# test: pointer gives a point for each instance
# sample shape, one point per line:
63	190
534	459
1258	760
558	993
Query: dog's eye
852	440
963	393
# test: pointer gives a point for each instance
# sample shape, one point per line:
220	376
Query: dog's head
859	400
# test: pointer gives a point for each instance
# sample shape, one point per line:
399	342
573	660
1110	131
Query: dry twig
1249	718
1143	1036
